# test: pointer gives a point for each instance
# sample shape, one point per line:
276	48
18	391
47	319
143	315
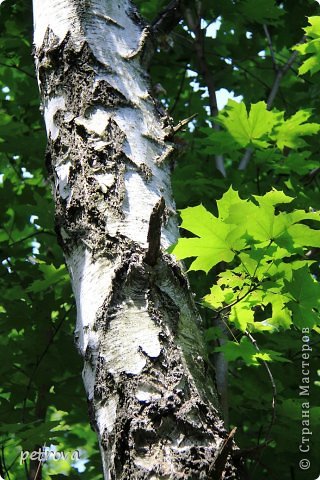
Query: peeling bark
150	401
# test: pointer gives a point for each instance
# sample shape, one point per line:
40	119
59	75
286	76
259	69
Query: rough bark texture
150	401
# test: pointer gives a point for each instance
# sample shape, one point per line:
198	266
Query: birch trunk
153	408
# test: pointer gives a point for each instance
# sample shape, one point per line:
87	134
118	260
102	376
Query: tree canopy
245	75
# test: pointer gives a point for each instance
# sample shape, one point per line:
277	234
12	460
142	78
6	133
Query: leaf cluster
266	250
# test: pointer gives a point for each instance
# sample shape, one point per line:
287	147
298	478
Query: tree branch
39	360
34	234
194	23
195	26
4	462
278	79
266	31
18	68
307	179
274	394
272	95
178	95
167	19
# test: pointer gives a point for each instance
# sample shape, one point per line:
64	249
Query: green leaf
218	297
260	220
209	251
299	215
303	289
248	129
281	315
212	333
261	11
241	314
304	236
217	142
289	133
226	202
305	294
274	197
265	226
216	243
314	30
311	46
246	350
52	276
312	64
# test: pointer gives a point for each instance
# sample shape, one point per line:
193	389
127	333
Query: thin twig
268	36
18	68
43	354
13	166
14	461
26	470
38	470
184	39
34	234
307	179
4	462
7	232
178	95
235	63
251	289
278	79
1	467
230	330
274	393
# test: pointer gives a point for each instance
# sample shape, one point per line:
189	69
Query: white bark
110	165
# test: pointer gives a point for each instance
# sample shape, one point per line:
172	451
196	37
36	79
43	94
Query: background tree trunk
150	401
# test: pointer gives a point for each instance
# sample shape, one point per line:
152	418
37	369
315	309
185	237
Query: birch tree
109	158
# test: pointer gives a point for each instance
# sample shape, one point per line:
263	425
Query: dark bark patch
106	95
104	381
145	171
